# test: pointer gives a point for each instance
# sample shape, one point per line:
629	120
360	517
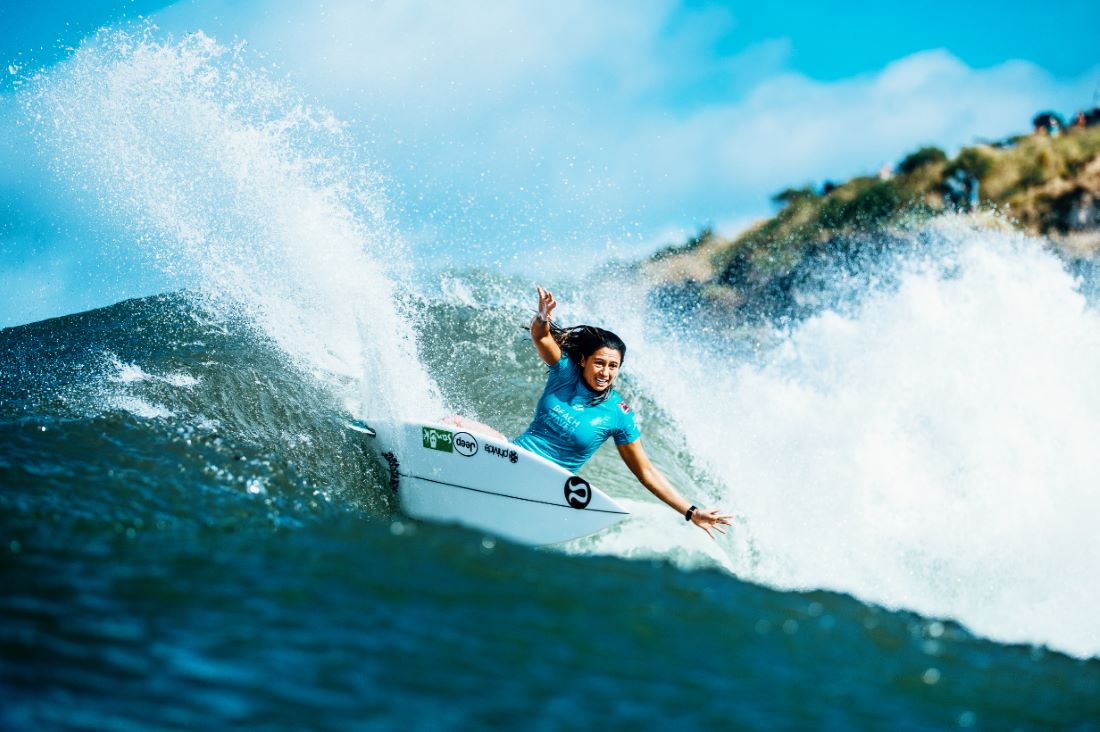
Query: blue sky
528	134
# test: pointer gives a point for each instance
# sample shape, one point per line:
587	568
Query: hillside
1045	185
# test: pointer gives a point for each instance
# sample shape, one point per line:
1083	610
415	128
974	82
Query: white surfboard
445	474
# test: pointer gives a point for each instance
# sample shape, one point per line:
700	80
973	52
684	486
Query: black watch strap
687	514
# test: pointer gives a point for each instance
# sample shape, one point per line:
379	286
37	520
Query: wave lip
230	181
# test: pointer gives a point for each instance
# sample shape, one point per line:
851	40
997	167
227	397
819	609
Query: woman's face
601	368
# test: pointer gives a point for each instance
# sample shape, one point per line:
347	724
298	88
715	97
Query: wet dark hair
581	341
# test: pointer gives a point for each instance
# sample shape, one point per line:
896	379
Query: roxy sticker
434	439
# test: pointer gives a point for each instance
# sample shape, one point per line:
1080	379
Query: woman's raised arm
548	349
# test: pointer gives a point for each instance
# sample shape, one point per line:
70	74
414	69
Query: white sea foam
248	194
651	533
130	373
935	449
137	406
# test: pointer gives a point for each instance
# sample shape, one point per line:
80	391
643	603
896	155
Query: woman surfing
580	409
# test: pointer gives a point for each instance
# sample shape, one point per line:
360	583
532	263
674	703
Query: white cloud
507	129
607	119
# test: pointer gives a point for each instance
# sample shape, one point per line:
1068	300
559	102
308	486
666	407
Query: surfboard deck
448	475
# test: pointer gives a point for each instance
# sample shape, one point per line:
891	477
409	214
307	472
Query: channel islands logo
510	455
578	493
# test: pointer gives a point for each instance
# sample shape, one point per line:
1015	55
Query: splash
243	191
932	449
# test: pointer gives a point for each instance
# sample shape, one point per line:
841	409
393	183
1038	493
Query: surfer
580	409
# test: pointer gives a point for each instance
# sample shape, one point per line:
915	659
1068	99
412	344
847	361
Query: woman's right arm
548	349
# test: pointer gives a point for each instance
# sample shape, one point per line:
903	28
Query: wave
925	445
230	181
928	446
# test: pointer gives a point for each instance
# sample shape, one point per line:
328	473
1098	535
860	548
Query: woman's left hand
710	518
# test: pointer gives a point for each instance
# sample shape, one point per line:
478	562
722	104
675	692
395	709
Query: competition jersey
568	428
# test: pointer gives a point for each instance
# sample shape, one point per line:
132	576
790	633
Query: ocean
190	536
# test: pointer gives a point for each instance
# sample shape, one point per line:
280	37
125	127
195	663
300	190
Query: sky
547	135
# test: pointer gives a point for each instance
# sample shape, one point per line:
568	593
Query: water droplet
967	719
931	676
935	629
15	547
397	528
790	627
488	543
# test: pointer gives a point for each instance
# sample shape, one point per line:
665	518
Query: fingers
711	519
547	303
712	513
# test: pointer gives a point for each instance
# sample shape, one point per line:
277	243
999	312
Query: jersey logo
625	407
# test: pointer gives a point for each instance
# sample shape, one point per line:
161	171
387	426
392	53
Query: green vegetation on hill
1048	186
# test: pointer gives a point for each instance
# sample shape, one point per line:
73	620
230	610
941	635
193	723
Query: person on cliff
580	409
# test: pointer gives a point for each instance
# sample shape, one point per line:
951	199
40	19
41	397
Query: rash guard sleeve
627	430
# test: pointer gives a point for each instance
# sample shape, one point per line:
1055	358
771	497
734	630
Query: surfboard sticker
578	493
437	439
465	444
493	485
502	452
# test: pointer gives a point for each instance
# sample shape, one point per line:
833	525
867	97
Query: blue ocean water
189	536
216	549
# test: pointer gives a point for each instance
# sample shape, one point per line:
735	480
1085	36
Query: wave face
928	446
190	534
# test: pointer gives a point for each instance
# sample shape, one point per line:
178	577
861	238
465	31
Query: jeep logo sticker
465	444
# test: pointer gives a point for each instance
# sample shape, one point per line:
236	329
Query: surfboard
448	475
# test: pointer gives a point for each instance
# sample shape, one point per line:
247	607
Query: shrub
921	158
971	161
705	235
790	195
869	207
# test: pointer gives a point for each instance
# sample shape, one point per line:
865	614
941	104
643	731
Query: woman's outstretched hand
710	518
547	303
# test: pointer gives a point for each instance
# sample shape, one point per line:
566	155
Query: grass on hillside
1021	177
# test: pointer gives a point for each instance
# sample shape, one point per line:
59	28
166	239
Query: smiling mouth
602	383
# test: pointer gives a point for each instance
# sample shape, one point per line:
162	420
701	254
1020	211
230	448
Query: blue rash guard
568	428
